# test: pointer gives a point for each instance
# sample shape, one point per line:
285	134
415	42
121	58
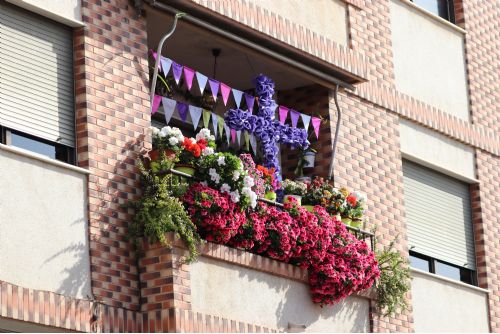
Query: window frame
450	10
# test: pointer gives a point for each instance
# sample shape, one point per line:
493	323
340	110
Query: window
441	8
36	86
439	222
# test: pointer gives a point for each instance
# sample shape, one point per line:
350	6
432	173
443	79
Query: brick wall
111	80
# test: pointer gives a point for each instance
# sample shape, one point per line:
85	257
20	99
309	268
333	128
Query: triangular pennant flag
168	108
237	94
305	119
182	108
166	63
253	143
249	99
316	122
188	76
246	135
294	115
238	136
215	123
202	81
177	70
195	113
214	87
156	103
225	90
283	111
221	125
228	132
233	136
206	118
154	54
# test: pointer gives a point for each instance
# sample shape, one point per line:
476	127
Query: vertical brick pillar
112	115
165	280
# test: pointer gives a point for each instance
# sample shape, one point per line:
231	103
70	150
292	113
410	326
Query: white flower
235	196
221	161
248	181
225	188
251	195
236	175
207	151
193	141
173	141
213	175
165	131
154	131
204	134
360	196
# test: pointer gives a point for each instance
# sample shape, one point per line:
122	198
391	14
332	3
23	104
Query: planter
155	155
358	223
309	158
186	169
270	195
297	198
308	207
347	221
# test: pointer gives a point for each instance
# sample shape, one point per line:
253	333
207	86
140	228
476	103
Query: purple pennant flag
177	70
188	75
233	136
225	90
294	115
283	111
250	101
237	94
166	63
202	81
182	108
316	122
156	103
214	87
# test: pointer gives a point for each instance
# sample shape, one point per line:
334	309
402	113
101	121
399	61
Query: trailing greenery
159	210
394	281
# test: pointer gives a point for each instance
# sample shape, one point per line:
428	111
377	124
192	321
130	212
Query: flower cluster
294	187
270	181
258	177
167	139
194	148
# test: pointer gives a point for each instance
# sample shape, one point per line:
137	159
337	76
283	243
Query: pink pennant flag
225	90
153	53
316	122
156	103
283	111
249	100
214	87
294	115
233	136
188	75
177	70
182	108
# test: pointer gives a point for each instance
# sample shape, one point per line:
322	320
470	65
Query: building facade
418	88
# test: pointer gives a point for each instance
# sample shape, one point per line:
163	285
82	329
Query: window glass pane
437	7
419	263
33	145
446	270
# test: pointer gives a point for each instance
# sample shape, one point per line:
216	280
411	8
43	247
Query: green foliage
394	281
159	211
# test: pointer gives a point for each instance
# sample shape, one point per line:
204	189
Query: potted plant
294	189
166	141
271	184
306	160
193	149
352	210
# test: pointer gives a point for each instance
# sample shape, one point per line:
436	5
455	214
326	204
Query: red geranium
352	200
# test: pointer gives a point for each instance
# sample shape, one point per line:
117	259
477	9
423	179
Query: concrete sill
449	280
434	17
39	157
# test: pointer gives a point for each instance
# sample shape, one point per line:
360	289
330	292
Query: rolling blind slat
36	75
438	215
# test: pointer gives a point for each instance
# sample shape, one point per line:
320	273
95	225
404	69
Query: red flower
352	200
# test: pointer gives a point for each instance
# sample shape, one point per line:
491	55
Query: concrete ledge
449	280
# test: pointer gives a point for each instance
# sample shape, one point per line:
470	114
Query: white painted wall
68	12
248	295
43	226
440	305
436	150
324	17
429	62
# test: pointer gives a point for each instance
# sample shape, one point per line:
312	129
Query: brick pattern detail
111	80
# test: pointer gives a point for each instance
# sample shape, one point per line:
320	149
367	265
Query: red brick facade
151	292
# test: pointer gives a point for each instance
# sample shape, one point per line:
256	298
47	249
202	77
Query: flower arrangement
194	148
354	207
270	181
224	171
166	141
294	187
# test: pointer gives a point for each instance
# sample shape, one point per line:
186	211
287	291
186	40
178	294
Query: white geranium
251	195
360	196
205	134
154	131
166	130
213	175
207	151
236	175
248	181
193	141
225	188
173	141
235	196
177	133
221	161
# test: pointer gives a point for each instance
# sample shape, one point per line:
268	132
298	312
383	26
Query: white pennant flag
166	63
168	108
202	81
228	133
238	136
237	94
306	119
253	143
195	113
215	123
